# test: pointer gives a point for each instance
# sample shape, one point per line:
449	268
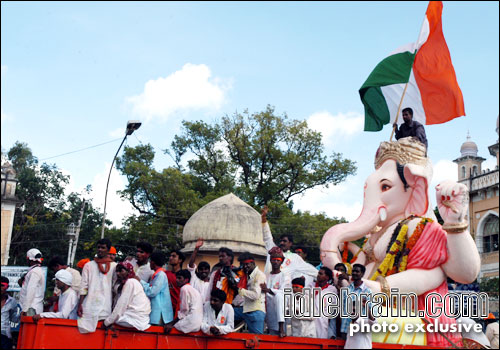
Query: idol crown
407	150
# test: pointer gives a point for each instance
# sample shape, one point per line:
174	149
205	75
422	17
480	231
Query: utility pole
73	253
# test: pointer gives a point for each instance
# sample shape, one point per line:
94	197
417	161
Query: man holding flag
410	127
420	75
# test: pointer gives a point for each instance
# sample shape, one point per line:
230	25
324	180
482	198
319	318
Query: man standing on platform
410	128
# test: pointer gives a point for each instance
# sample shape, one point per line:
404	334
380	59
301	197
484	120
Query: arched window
463	172
474	170
490	234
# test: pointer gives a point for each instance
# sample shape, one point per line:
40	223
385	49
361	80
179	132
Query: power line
83	149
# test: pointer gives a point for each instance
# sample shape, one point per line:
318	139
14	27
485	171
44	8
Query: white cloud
190	88
4	69
335	127
343	200
444	169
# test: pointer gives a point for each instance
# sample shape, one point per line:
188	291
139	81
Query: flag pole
404	91
397	113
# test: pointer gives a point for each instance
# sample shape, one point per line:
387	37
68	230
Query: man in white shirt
200	278
190	315
303	324
293	264
141	261
96	289
68	298
276	282
56	264
218	317
360	339
33	288
133	307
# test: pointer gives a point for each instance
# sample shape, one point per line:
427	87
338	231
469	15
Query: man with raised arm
200	278
293	264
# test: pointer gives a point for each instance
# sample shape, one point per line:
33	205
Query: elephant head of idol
396	189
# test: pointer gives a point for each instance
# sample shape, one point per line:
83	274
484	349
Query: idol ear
419	201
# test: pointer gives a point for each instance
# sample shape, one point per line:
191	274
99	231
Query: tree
47	211
263	158
164	200
260	156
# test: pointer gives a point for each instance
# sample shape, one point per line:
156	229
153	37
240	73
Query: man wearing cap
33	288
492	330
68	299
112	253
293	263
56	264
81	263
254	299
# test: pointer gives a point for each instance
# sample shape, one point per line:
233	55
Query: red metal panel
64	334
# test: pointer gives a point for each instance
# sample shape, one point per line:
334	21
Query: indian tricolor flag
421	73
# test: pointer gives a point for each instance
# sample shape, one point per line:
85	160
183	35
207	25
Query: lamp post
71	234
132	125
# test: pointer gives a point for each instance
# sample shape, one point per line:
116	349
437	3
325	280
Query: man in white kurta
190	315
33	288
68	298
96	289
302	323
132	308
293	264
191	310
218	317
276	282
200	285
321	288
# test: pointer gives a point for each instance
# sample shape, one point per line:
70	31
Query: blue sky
74	73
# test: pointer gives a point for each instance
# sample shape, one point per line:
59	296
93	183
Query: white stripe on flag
412	99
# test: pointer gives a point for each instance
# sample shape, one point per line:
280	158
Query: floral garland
345	252
390	264
412	241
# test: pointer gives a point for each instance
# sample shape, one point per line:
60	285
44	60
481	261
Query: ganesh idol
405	247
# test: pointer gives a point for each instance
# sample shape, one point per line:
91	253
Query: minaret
469	163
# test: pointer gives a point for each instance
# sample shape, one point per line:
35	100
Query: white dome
469	148
225	222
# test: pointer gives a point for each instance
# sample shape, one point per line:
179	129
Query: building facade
9	204
483	185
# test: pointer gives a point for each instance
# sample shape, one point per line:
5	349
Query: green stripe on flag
394	69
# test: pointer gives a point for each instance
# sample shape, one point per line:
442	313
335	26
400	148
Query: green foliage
307	229
46	213
489	285
263	158
260	157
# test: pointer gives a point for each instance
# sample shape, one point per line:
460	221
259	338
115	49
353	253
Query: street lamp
132	125
71	235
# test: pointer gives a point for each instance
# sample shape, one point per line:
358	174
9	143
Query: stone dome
225	222
469	148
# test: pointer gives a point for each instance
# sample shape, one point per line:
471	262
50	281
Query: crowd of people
148	290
